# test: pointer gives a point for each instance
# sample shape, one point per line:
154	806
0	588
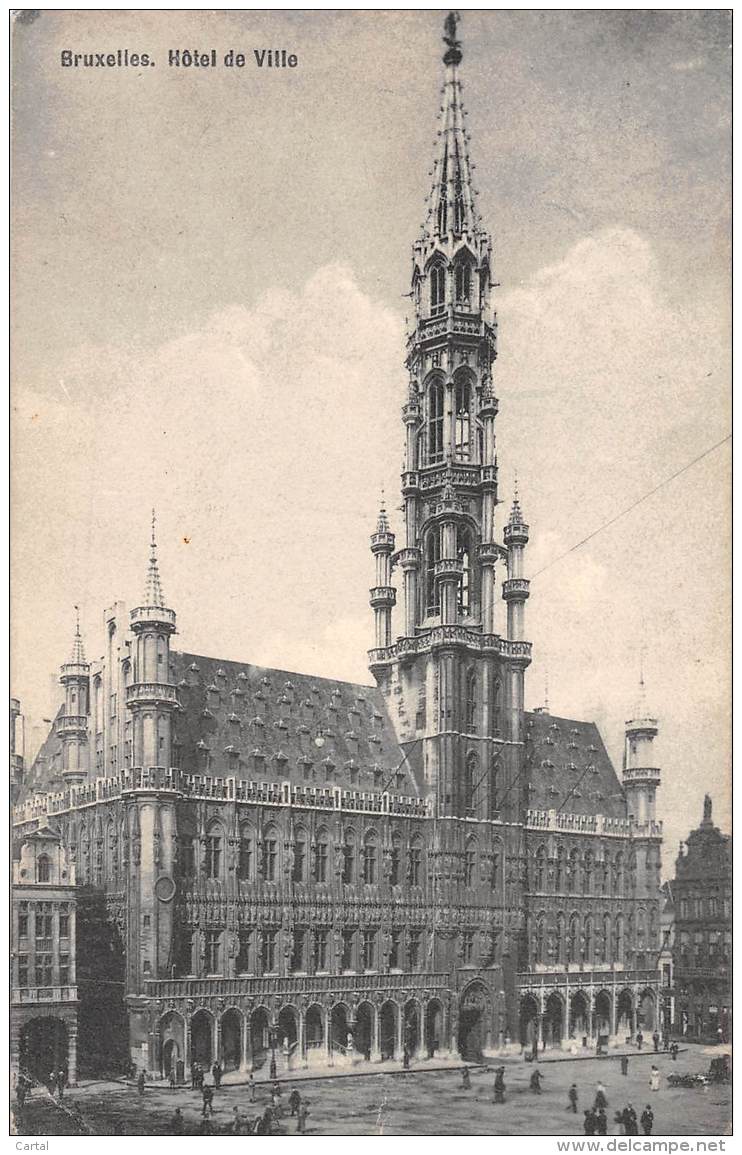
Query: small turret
72	726
516	588
641	777
383	595
16	750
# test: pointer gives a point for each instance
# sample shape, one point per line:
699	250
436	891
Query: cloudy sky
209	278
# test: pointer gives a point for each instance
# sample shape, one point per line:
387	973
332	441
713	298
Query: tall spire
153	594
516	513
452	209
78	650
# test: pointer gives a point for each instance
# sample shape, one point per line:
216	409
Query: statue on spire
453	45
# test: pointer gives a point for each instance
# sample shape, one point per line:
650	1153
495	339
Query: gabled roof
568	768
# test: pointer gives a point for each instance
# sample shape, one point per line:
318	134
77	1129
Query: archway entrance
202	1039
339	1028
171	1043
579	1017
43	1047
433	1027
259	1036
625	1014
473	1015
287	1027
411	1036
388	1030
313	1030
646	1018
602	1016
231	1040
554	1021
529	1012
364	1033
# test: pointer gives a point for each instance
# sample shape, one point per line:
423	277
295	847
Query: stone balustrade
44	995
275	985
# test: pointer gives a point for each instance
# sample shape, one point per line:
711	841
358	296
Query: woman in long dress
654	1079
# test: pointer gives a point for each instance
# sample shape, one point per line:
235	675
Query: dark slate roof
249	722
568	766
45	772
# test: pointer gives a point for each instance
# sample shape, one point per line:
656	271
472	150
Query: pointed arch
470	860
470	706
464	556
437	278
462	427
432	557
435	401
471	775
214	849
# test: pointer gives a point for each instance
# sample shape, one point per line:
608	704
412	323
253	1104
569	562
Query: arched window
415	864
559	939
463	552
541	868
458	212
496	718
437	288
471	774
299	872
619	943
574	939
559	875
540	938
432	557
471	702
588	866
435	422
349	857
396	861
463	421
246	861
321	853
214	843
606	937
270	854
588	937
573	872
470	862
43	869
442	215
463	283
369	858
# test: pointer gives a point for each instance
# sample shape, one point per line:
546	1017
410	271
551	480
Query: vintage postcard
370	761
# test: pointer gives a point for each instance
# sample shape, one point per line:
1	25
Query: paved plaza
425	1102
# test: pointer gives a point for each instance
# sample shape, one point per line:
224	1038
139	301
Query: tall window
369	949
213	952
574	939
43	970
437	289
470	862
471	702
43	922
606	937
416	857
463	283
496	721
442	215
320	950
467	947
463	421
463	553
458	212
243	957
369	858
23	922
435	422
43	869
64	926
245	863
269	951
270	856
298	955
559	944
588	865
619	943
348	860
471	769
346	963
213	854
432	557
396	860
588	934
300	857
22	970
320	860
541	868
414	949
395	953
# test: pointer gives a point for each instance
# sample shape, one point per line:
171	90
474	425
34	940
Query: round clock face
165	888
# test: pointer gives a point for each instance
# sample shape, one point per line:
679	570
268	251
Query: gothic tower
72	726
454	685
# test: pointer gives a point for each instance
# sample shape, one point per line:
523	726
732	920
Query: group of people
197	1076
628	1123
239	1124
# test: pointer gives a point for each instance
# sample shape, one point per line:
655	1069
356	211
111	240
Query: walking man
624	1064
301	1122
466	1079
600	1099
294	1101
656	1041
216	1071
572	1095
632	1127
140	1082
647	1120
639	1040
61	1083
208	1098
536	1078
674	1052
499	1088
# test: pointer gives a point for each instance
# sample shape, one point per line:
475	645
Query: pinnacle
382	525
153	593
78	649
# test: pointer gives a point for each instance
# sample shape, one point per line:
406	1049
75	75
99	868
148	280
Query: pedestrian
301	1122
267	1122
499	1087
674	1051
466	1079
216	1071
624	1064
294	1101
406	1060
632	1127
61	1083
601	1127
654	1078
236	1127
51	1081
276	1103
572	1096
665	1041
656	1041
140	1082
177	1123
590	1121
536	1078
208	1097
194	1078
620	1118
600	1099
639	1040
205	1127
647	1120
173	1077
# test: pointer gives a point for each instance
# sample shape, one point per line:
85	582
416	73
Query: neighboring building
43	1012
16	750
702	895
666	959
344	871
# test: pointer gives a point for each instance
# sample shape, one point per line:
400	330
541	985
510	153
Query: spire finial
382	525
453	44
78	649
516	514
451	209
153	594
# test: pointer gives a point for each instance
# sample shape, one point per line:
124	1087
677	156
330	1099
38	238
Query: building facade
702	941
337	872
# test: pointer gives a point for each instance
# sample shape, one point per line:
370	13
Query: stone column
245	1048
399	1043
72	1054
566	1017
376	1036
216	1041
301	1049
328	1039
187	1045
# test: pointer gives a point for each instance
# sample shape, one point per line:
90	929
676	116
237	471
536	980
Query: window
369	950
64	970
713	907
346	962
113	705
496	722
414	949
573	872
43	923
588	872
463	421
213	855
541	868
435	422
23	925
348	857
574	940
43	970
146	922
588	936
471	774
463	554
442	215
320	862
300	858
458	211
243	957
298	955
467	947
559	874
369	859
22	970
437	289
269	951
463	283
320	950
470	863
43	869
188	858
245	862
213	944
395	950
270	856
396	860
471	702
415	862
432	557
